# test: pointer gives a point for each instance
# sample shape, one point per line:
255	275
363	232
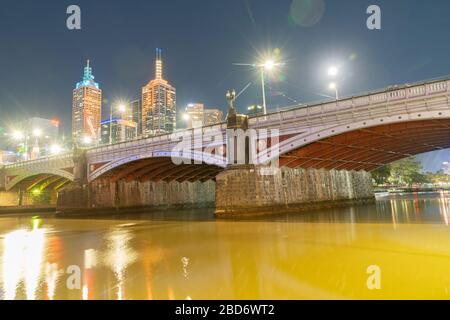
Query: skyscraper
121	130
212	116
196	115
136	115
86	108
158	103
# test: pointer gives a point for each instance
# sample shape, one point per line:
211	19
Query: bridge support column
76	195
242	190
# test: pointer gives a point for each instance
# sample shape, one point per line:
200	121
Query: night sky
41	60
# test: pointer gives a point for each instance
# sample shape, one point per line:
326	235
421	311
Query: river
397	248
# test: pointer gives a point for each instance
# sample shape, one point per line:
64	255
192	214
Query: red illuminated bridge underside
163	169
370	148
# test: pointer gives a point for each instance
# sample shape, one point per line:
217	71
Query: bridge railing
318	112
41	160
161	143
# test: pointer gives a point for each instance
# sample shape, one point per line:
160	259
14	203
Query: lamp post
333	86
267	66
332	72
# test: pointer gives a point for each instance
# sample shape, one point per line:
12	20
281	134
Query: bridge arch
167	163
366	144
39	174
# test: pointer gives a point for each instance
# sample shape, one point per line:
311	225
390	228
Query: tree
407	171
381	174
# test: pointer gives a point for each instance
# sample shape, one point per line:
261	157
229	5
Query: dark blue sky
41	60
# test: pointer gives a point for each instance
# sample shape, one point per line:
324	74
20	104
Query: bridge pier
152	194
75	196
248	190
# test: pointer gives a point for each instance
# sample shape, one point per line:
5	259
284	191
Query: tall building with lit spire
86	109
158	103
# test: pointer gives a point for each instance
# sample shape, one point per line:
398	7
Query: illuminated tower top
88	78
158	72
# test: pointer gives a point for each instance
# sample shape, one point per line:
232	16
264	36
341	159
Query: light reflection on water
183	255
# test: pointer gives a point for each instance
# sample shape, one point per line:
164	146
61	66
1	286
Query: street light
332	71
37	133
122	108
21	136
55	149
266	66
87	140
333	86
18	135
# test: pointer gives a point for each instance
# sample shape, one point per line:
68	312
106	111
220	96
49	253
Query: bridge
353	134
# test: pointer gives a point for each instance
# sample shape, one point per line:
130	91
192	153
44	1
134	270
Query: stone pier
248	190
123	194
239	190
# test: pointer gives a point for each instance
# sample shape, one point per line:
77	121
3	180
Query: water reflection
52	274
321	254
22	261
119	256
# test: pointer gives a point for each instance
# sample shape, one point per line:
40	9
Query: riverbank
26	209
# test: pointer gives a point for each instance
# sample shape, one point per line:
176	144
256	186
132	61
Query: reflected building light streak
394	213
417	204
185	262
90	261
405	209
90	258
14	244
22	260
33	261
119	257
52	275
85	292
443	207
352	224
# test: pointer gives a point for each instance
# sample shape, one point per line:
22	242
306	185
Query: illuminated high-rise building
136	115
196	115
118	130
212	116
158	103
86	109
